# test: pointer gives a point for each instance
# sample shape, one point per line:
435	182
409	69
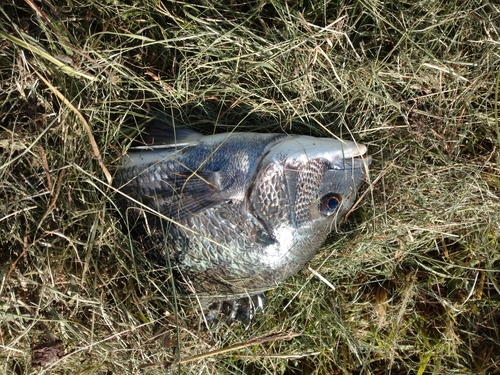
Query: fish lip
358	150
360	162
356	158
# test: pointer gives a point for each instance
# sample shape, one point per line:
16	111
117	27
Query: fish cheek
308	184
269	198
286	193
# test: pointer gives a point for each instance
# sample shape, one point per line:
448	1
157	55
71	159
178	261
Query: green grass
416	268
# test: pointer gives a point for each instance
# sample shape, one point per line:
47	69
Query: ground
409	284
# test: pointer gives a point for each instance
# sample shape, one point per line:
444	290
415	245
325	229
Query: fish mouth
356	164
357	149
361	162
356	158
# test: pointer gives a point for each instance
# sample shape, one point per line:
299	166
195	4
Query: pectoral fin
192	194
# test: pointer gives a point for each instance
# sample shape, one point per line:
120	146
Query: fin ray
158	134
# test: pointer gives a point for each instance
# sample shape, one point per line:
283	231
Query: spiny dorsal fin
159	134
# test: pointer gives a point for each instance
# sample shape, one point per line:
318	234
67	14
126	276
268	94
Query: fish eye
330	203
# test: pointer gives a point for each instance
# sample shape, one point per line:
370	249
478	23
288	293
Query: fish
235	214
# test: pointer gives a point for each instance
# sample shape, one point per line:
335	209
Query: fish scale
308	180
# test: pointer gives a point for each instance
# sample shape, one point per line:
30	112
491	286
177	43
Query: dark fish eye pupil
330	203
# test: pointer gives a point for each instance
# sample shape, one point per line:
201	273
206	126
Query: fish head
306	186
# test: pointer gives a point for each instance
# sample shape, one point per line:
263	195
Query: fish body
237	213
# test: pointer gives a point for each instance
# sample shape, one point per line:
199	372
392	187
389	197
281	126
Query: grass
415	270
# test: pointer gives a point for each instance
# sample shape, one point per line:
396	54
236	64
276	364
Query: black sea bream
239	212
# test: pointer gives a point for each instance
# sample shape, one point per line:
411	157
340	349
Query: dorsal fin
159	134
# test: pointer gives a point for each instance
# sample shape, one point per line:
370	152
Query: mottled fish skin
241	211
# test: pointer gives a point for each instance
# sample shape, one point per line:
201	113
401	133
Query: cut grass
415	270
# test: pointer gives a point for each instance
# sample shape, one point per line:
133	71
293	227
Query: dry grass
415	270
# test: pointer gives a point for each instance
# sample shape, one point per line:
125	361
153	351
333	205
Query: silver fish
237	213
